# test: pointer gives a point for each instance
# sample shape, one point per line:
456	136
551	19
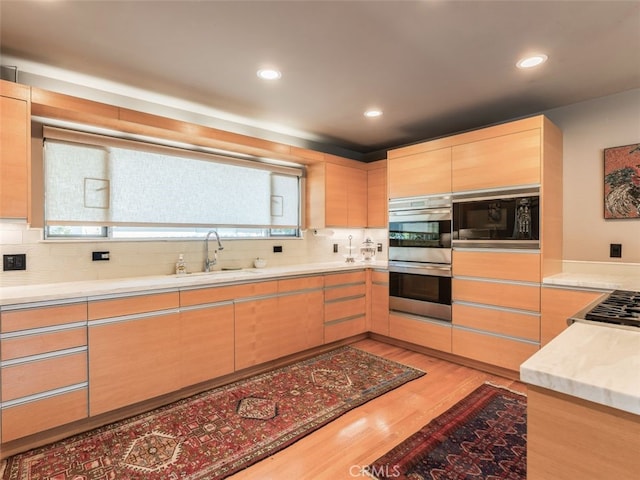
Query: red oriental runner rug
217	433
482	437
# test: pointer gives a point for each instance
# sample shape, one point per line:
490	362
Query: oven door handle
423	269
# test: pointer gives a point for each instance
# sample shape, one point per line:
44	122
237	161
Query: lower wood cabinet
345	305
379	301
570	438
43	352
420	331
559	304
133	359
286	318
492	349
206	342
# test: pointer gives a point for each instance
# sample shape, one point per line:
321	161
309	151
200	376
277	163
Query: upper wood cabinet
502	161
377	200
336	196
412	172
15	131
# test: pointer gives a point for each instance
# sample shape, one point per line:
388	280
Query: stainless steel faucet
210	262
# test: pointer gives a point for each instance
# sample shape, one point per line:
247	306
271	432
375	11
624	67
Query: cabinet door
256	332
380	307
497	265
503	161
14	157
301	321
423	173
419	331
133	360
558	305
377	201
345	196
357	198
206	343
336	195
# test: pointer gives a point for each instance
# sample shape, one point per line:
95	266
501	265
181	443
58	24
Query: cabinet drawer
497	265
380	277
210	295
344	278
42	375
43	343
344	309
334	293
524	297
257	289
15	320
297	284
28	418
509	323
344	329
493	350
118	307
420	332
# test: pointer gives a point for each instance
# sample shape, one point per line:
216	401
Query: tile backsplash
63	261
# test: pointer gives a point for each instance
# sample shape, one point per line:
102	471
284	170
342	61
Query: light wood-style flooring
340	449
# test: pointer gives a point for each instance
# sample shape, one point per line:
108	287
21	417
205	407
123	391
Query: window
141	190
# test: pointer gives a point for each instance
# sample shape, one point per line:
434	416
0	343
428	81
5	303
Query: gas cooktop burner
621	307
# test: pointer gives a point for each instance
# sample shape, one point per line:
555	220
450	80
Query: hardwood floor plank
342	448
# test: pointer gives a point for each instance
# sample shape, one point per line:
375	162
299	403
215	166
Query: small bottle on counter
181	267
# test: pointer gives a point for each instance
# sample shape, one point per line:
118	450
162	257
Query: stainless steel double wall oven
420	256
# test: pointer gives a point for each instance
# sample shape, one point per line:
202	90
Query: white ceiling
434	66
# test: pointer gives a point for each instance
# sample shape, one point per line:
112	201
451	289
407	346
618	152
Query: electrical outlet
277	249
16	261
615	250
99	256
335	248
379	247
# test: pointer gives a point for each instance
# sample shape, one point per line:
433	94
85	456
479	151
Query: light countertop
601	281
93	288
599	363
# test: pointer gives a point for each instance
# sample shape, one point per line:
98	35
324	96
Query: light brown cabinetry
286	317
344	305
420	331
379	300
44	367
377	199
505	160
336	195
496	306
134	349
206	333
412	172
570	438
15	132
559	304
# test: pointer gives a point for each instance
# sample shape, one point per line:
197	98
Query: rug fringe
505	388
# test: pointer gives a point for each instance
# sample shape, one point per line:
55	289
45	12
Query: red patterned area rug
217	433
482	437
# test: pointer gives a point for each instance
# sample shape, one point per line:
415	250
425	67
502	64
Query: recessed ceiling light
269	74
373	113
532	61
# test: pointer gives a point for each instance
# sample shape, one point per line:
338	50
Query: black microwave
502	219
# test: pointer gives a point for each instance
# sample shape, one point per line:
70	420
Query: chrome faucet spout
210	262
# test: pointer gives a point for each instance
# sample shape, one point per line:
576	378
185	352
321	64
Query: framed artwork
622	182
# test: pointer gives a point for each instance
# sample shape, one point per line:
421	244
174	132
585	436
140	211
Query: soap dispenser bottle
181	267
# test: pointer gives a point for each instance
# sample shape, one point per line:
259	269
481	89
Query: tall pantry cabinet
496	292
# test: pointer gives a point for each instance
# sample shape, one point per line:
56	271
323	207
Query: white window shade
115	185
